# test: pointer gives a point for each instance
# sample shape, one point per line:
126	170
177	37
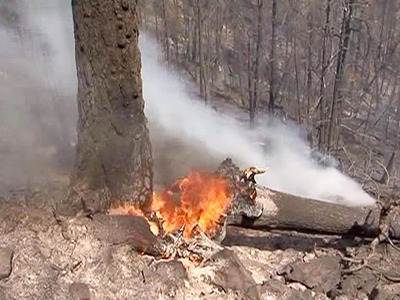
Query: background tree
331	66
114	156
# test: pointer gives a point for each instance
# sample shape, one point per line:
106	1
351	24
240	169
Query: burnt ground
41	258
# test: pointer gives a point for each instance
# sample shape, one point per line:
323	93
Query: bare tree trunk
202	78
397	143
253	103
166	34
322	98
114	155
296	71
336	108
249	75
218	42
272	58
309	67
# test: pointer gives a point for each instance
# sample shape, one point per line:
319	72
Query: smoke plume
38	116
205	137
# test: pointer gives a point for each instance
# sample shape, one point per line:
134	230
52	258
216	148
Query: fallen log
257	208
285	211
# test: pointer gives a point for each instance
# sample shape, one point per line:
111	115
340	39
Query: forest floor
41	258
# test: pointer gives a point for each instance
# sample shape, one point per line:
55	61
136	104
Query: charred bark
114	156
242	190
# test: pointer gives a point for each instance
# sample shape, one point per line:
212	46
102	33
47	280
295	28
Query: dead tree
322	97
388	169
254	99
336	107
166	35
114	155
202	76
272	58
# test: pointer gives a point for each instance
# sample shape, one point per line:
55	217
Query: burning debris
197	200
190	216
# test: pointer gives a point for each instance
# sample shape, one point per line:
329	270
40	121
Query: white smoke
37	85
51	26
173	109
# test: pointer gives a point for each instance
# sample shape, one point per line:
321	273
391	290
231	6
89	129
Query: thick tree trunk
285	211
294	212
114	156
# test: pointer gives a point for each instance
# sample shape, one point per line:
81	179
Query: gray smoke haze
208	136
37	91
38	116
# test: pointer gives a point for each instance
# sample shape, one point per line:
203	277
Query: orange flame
196	200
203	200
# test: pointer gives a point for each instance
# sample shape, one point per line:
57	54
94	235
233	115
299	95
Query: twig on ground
355	269
391	242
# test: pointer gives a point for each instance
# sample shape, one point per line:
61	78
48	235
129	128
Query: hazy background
38	116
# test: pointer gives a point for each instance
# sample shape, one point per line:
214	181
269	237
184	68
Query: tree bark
322	97
285	211
254	99
250	80
271	103
309	81
202	76
336	107
166	31
114	155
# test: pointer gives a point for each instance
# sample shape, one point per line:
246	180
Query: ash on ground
41	258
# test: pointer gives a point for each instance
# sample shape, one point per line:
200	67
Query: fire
196	201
